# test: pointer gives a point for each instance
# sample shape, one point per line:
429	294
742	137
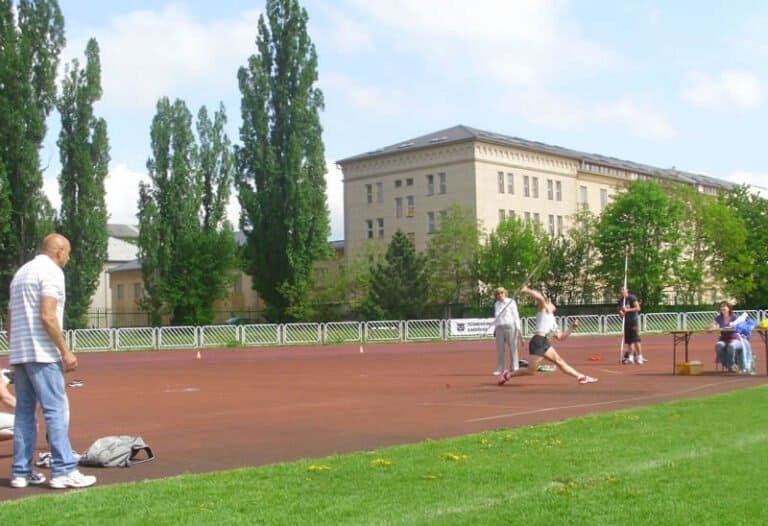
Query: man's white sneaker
641	360
22	481
74	479
628	360
497	373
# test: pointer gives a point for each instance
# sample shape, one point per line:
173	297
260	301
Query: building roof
461	133
128	265
121	231
119	250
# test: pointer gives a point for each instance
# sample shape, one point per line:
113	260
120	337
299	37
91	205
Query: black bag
116	451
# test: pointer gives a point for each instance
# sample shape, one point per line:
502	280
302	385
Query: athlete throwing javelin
539	345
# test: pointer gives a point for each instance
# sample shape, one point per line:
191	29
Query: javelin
517	291
624	306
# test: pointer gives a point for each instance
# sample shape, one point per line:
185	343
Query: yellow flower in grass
432	476
318	467
453	457
383	462
484	442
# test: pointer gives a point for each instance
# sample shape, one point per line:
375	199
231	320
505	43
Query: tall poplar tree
84	153
31	38
187	248
281	163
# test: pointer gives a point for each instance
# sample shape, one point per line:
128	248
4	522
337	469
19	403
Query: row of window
374	228
436	183
506	184
555	224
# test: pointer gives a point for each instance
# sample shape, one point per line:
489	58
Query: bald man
40	356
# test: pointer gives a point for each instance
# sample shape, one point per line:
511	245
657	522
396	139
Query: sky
672	84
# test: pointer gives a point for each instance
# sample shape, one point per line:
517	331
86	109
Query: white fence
262	335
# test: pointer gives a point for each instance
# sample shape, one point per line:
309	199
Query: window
511	214
380	224
137	292
409	181
550	190
411	237
535	184
526	186
603	198
527	216
443	181
369	193
411	205
120	291
502	214
510	183
398	207
369	228
430	222
500	181
583	195
430	184
237	286
536	218
379	192
398	183
558	191
559	225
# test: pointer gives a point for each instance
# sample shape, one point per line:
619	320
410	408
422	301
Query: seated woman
729	345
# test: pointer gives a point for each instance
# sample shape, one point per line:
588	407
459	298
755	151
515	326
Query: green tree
398	287
281	163
747	277
31	38
186	246
645	220
84	153
510	254
451	257
569	276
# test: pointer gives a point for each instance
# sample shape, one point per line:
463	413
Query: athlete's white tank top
545	323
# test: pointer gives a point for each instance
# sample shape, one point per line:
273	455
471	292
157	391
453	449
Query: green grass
699	461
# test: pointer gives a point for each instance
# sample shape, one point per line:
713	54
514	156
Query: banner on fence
470	327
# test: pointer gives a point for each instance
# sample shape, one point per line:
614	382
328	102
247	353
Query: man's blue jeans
41	383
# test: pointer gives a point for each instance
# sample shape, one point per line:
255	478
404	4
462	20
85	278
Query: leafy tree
644	220
747	276
84	153
31	38
398	285
451	256
186	247
714	241
569	275
510	254
281	164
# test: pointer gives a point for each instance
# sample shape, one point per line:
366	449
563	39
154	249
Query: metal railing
263	334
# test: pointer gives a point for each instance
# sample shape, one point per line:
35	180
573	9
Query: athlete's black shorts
538	345
632	333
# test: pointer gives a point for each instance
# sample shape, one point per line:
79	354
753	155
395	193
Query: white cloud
526	42
369	98
730	89
629	113
148	54
122	193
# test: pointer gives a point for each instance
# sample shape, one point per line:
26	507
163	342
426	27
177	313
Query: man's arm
51	326
6	397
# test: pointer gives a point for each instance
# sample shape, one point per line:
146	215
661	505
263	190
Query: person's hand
69	361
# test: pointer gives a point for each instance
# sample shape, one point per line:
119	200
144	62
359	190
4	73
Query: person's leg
49	384
514	339
720	353
731	351
552	355
744	357
499	350
25	430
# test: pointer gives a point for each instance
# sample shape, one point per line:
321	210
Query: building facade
405	186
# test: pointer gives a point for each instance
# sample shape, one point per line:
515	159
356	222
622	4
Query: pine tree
84	153
31	38
398	288
281	164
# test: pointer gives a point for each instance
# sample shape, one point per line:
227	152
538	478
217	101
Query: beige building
406	186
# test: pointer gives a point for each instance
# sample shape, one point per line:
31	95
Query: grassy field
699	461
